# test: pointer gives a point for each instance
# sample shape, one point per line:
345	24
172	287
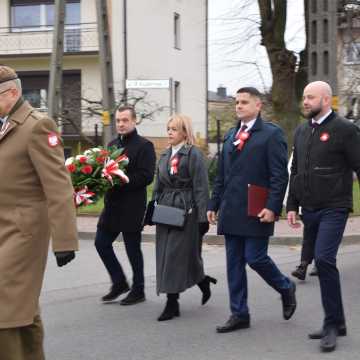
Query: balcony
78	38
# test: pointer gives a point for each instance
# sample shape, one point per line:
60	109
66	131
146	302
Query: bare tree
73	114
265	25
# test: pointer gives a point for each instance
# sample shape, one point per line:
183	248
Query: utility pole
55	80
107	81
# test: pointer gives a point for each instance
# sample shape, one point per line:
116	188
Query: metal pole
125	95
218	136
107	81
55	80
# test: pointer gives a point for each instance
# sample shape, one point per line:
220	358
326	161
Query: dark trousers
104	245
308	247
242	250
326	228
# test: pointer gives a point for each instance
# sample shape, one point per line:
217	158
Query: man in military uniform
36	202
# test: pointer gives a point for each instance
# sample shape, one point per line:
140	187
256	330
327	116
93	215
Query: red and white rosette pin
324	137
53	139
174	163
241	139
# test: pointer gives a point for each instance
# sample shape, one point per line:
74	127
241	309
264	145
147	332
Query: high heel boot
171	308
204	286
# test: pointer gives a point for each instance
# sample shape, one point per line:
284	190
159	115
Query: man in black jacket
326	152
124	209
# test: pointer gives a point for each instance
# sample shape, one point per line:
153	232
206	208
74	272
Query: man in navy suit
255	152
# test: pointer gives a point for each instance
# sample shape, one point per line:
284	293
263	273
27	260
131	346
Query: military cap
7	74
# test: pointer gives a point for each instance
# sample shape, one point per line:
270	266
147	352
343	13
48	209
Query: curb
212	239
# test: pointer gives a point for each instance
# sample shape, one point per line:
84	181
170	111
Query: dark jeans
132	240
242	250
326	228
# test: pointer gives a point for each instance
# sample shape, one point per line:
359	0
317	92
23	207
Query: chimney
221	91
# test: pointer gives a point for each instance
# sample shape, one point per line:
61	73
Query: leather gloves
64	257
203	228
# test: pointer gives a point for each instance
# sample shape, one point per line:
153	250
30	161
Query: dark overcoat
124	205
178	251
263	162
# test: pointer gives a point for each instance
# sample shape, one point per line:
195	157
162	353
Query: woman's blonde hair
184	123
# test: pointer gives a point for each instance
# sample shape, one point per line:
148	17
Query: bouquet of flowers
95	171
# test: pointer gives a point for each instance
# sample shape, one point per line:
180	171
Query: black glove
203	228
64	257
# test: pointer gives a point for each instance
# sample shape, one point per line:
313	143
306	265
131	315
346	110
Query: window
36	97
177	96
35	86
325	31
352	53
177	31
33	15
314	63
313	32
326	62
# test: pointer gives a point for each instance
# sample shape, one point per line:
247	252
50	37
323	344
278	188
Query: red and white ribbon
241	139
83	197
111	167
174	162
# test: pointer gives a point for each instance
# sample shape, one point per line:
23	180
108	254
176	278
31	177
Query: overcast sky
236	58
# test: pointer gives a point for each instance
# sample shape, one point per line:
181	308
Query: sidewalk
284	235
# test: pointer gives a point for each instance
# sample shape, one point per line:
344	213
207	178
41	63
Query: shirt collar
176	148
249	125
322	118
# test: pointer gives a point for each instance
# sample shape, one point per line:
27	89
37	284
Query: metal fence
38	40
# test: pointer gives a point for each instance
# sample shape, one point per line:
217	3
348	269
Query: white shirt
249	125
176	148
322	118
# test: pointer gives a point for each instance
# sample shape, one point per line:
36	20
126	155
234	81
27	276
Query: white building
151	40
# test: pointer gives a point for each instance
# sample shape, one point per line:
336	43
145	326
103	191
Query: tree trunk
283	64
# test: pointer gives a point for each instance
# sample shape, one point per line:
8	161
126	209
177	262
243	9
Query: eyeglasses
3	92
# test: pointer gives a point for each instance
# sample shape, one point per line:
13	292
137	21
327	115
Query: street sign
148	84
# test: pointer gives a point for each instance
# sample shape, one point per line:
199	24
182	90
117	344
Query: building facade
150	41
334	50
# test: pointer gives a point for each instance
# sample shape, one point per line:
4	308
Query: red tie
242	137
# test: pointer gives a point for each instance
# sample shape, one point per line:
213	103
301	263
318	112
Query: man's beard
313	113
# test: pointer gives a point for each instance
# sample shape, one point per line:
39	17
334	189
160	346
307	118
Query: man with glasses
36	202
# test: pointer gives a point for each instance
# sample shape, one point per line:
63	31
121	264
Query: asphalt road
78	326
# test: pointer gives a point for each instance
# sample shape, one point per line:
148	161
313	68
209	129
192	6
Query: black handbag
169	215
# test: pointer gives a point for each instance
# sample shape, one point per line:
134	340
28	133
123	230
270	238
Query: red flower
100	160
71	168
87	169
82	160
104	153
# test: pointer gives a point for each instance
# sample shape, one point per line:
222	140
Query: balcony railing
78	38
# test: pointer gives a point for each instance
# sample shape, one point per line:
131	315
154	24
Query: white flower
69	160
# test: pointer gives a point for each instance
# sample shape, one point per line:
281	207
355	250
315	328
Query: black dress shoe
328	341
289	301
234	323
115	291
300	271
317	335
170	311
133	297
204	286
